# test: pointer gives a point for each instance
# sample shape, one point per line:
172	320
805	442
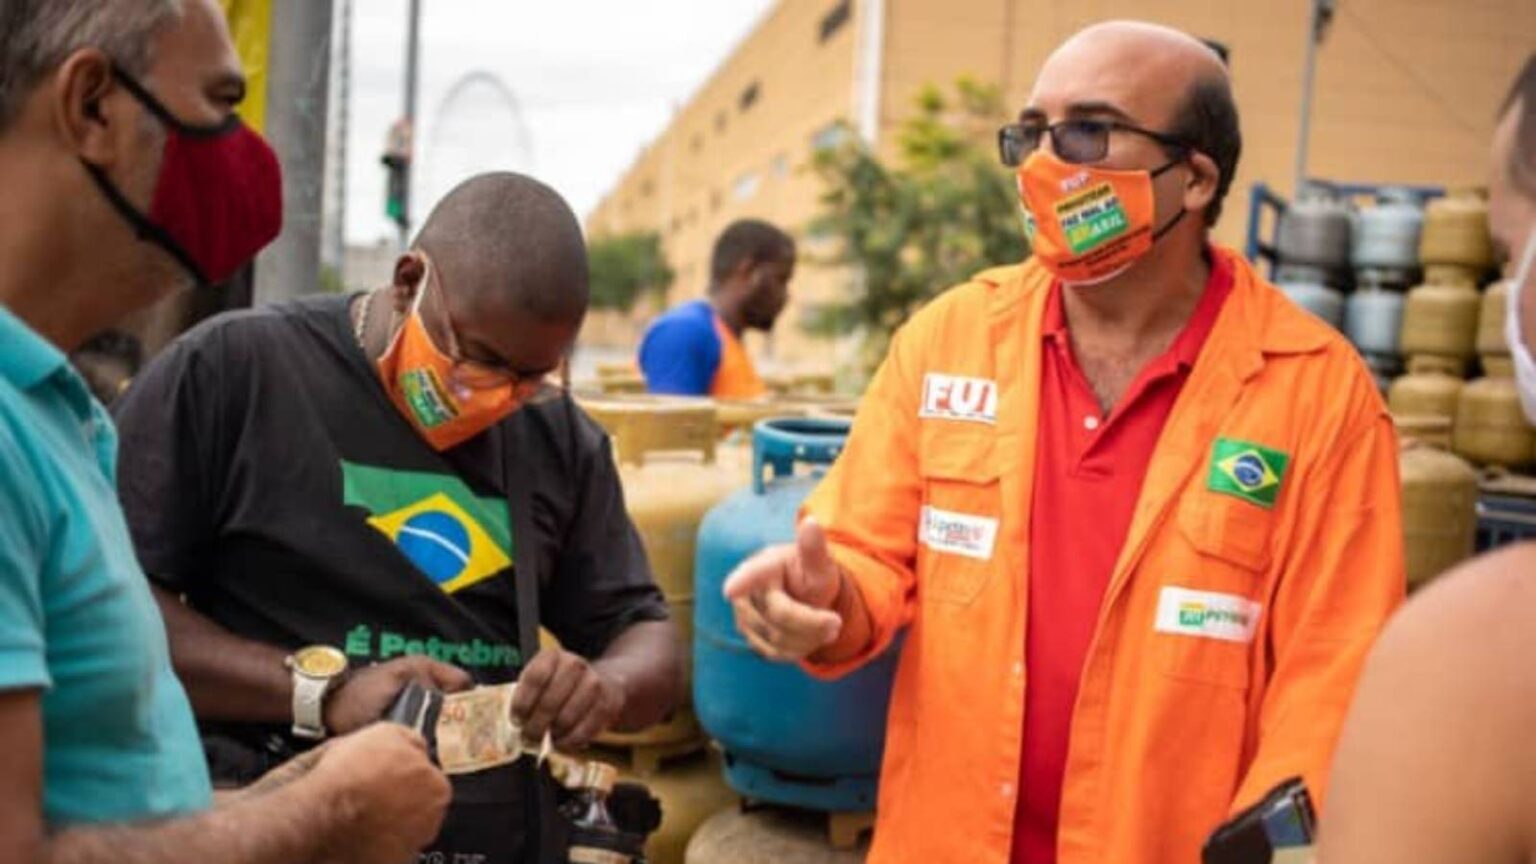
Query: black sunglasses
1076	141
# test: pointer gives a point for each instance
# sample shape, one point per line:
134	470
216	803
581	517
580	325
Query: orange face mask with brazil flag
445	407
1086	224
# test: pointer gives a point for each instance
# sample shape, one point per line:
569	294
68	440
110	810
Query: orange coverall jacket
1264	556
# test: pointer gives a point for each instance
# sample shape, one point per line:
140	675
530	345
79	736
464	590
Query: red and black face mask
219	196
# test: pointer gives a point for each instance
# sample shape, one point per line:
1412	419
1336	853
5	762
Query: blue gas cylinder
788	738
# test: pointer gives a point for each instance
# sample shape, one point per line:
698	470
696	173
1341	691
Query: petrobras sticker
953	397
958	533
1228	617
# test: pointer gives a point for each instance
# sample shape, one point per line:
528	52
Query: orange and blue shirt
690	352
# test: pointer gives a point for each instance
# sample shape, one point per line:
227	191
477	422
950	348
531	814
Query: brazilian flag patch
1247	471
453	536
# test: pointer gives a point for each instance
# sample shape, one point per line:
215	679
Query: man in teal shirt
125	171
75	621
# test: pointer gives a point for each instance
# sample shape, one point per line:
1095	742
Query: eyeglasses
480	374
1076	141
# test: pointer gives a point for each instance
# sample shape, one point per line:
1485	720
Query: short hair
751	240
41	34
1207	121
513	232
1522	156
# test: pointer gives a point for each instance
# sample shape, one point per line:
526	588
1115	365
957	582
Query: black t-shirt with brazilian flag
268	478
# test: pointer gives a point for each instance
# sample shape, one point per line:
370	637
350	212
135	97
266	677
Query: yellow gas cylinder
1426	391
1455	231
1490	426
666	450
614	412
1451	274
622	384
743	414
1440	321
811	383
826	406
778	383
737	419
1434	431
689	788
1490	332
617	369
769	835
1439	501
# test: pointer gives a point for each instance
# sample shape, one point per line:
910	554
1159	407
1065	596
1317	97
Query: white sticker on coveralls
953	397
1227	617
958	533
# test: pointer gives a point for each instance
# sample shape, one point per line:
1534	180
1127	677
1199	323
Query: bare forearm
647	661
227	677
289	825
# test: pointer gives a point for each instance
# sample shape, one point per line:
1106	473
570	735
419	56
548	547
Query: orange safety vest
1264	556
735	377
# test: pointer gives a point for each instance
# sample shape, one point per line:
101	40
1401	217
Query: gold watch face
319	661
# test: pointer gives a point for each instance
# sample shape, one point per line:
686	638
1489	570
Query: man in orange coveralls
1138	513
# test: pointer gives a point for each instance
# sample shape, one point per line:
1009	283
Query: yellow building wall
1406	91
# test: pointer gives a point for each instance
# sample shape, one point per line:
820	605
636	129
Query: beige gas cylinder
617	369
769	835
743	414
1490	427
737	419
778	383
1426	391
1451	274
690	790
622	384
1434	431
1490	332
666	450
1498	366
1455	231
1441	321
614	412
811	384
825	406
1439	501
1490	319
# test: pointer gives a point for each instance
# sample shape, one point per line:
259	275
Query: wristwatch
315	668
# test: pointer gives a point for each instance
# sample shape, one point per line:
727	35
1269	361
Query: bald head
1158	56
1150	76
508	239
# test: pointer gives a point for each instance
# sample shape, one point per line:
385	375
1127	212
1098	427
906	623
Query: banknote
475	731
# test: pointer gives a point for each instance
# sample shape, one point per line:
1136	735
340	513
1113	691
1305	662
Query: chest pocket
960	526
1216	591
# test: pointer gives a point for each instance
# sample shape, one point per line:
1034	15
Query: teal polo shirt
77	621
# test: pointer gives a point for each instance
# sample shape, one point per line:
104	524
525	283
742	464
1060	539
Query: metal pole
297	81
412	49
1308	71
336	242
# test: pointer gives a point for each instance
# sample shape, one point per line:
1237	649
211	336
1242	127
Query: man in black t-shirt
387	476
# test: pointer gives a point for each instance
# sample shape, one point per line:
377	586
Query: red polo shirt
1088	473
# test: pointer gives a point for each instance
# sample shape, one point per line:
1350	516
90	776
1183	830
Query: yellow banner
250	23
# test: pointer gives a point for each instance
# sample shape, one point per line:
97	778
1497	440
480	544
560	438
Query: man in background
696	349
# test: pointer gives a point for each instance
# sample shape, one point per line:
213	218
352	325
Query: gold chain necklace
361	327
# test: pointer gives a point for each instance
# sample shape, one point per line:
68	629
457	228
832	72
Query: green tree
625	266
928	220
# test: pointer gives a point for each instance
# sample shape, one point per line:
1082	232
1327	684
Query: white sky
594	79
